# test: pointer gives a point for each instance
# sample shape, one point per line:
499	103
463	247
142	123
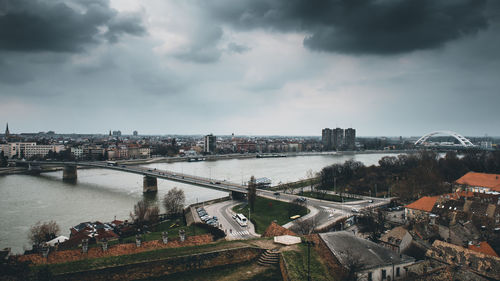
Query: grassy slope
267	210
297	265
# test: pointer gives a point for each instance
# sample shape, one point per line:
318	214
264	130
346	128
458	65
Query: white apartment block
28	149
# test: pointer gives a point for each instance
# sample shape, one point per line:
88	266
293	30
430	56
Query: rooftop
425	203
484	248
491	181
344	245
395	236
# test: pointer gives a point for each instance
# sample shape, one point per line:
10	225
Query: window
397	271
384	274
370	276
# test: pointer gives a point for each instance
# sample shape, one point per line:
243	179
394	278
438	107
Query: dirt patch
277	230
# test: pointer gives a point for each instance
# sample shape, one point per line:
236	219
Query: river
102	194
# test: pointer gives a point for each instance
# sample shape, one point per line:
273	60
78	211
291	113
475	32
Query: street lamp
309	244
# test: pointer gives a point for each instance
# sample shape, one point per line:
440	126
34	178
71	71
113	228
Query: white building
41	150
28	149
77	152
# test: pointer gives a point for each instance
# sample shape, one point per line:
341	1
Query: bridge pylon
69	173
150	184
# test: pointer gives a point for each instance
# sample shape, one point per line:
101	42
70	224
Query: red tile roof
484	248
424	204
481	179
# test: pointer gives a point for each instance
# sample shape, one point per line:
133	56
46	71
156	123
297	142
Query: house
398	239
421	208
480	182
485	265
369	260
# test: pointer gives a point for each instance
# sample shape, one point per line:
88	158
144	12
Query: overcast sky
261	67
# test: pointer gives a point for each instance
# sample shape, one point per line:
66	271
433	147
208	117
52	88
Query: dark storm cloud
359	26
35	25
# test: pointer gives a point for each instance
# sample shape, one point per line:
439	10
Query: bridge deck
152	172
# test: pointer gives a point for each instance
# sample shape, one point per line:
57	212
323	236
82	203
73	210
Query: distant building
210	143
77	152
7	133
135	133
117	133
326	138
28	150
350	139
338	138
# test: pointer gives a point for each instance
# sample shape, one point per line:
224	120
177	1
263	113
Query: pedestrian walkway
240	233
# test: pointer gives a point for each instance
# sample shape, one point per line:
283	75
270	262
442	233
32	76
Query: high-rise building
350	138
326	138
210	144
338	138
135	133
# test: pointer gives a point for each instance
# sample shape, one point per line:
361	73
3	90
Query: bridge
150	183
464	142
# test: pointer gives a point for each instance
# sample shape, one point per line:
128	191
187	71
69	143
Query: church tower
7	133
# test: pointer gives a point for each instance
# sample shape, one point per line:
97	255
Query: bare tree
43	232
305	227
310	176
174	201
145	213
252	193
372	222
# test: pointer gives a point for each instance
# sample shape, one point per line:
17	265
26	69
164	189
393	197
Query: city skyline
385	68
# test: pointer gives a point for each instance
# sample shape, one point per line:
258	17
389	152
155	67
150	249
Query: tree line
407	176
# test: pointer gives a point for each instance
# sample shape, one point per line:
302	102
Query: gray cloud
35	25
202	48
237	48
359	26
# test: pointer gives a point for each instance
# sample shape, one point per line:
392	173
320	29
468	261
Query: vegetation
3	159
326	196
407	176
297	265
243	271
267	210
252	193
174	201
172	227
145	213
43	232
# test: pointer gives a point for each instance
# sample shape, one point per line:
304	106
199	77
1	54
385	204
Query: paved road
324	213
223	212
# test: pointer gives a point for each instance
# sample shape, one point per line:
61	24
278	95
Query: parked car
215	218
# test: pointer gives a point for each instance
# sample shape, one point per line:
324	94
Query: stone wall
166	266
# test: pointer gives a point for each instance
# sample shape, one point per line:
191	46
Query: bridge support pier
34	169
69	173
237	195
150	184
